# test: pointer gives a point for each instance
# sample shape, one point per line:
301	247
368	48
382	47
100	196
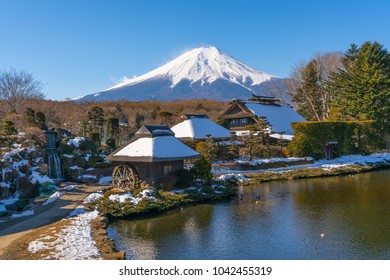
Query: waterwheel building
151	155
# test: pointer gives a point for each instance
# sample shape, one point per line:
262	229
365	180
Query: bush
89	145
352	137
202	169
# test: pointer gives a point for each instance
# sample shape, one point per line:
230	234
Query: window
167	169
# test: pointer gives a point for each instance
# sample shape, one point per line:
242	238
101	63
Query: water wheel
125	177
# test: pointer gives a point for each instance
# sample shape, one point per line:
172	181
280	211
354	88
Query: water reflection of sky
277	220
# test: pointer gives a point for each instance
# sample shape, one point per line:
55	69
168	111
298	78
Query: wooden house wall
153	172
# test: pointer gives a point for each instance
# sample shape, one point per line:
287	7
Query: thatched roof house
243	113
153	153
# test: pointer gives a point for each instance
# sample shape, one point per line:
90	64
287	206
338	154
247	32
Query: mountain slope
201	73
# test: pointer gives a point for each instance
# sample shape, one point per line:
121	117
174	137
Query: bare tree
309	84
17	89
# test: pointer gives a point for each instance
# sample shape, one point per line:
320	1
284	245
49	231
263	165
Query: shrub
352	137
87	145
202	169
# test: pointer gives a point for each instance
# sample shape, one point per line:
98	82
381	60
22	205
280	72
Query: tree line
354	85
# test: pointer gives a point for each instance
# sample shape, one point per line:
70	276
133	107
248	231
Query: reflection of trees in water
170	223
354	210
142	238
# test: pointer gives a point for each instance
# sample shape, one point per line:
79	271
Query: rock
89	179
3	213
26	189
100	172
10	175
11	207
24	168
21	204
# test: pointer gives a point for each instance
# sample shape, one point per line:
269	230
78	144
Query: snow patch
105	180
75	142
92	197
68	156
72	187
23	214
54	197
128	197
73	242
75	167
236	176
41	179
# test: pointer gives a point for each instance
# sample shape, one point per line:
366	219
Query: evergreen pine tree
29	115
363	85
7	133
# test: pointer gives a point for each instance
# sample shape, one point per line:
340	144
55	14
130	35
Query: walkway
12	229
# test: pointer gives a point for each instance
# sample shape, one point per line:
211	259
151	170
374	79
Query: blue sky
77	47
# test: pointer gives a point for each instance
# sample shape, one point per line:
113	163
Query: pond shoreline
308	173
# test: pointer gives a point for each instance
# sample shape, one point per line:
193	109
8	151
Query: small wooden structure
151	155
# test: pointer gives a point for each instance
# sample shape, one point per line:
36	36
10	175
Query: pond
324	218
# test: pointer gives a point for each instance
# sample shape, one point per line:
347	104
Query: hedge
353	137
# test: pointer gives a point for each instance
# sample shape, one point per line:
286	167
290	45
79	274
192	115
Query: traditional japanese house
199	127
240	114
151	155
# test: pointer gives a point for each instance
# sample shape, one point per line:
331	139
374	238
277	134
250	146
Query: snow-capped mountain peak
200	73
204	64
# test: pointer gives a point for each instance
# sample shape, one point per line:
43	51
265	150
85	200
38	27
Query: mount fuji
200	73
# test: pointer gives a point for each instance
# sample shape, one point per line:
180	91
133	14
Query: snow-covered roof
198	127
159	145
279	117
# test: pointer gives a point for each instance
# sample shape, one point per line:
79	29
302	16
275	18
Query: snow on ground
272	160
68	156
72	187
324	164
2	208
75	142
75	167
73	242
41	179
54	197
105	180
23	214
10	200
92	197
128	197
236	176
87	176
87	156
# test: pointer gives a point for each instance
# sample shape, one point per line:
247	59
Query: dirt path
14	229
